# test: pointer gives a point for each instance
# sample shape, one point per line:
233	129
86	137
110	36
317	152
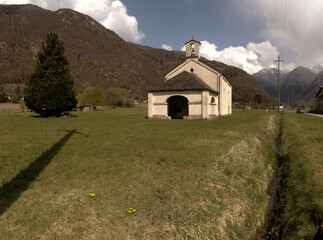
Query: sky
249	34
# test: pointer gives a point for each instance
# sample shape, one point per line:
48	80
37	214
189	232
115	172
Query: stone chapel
192	90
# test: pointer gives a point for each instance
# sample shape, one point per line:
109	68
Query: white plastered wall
157	103
213	105
200	104
150	105
225	97
207	74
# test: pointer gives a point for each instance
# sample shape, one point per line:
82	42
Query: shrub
15	98
3	97
119	97
93	96
129	103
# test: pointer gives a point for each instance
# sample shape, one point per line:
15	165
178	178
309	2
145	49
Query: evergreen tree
49	90
3	97
18	91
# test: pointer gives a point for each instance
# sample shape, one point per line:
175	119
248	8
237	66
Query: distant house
319	101
192	90
85	108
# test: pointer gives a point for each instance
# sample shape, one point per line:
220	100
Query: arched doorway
213	105
177	107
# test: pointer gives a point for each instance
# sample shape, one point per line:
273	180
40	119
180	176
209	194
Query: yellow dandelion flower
161	186
130	208
134	210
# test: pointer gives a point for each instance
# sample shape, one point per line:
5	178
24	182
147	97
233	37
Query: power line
265	22
276	38
277	41
284	28
269	31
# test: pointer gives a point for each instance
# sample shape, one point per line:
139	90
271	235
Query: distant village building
85	108
192	90
319	101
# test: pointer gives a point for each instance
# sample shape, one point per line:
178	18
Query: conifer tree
3	97
49	90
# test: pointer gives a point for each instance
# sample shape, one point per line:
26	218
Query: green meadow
302	147
114	174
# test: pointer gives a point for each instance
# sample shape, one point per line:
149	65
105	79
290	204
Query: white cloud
110	13
97	9
14	2
299	38
119	21
167	47
251	58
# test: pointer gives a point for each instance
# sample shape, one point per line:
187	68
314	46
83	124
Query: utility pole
278	61
288	96
293	97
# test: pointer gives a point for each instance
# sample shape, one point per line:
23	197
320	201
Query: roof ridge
184	81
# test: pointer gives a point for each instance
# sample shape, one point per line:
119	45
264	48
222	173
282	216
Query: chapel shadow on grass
11	191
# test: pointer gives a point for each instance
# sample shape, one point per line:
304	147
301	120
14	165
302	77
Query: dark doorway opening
177	107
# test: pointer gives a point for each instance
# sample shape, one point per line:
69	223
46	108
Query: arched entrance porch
177	107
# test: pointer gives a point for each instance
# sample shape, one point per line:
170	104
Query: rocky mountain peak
318	68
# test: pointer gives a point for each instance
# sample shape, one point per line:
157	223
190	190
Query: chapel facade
192	90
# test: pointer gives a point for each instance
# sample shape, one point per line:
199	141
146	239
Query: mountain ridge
297	87
97	55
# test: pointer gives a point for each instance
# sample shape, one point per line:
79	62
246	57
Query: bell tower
193	49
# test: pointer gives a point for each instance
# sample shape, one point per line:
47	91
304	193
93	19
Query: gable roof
183	81
214	66
192	40
217	66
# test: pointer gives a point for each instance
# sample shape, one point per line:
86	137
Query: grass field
302	142
152	179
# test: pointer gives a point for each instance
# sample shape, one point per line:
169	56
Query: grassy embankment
302	148
11	108
185	179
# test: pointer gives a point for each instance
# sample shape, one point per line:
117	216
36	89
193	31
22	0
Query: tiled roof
183	81
192	40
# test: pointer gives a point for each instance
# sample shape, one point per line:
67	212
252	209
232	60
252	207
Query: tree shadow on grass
11	191
45	117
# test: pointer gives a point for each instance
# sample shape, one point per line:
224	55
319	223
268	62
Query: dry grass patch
238	180
213	175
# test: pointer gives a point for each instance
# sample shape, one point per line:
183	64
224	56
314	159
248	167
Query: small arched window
213	100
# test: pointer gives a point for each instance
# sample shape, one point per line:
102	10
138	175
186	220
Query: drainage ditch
272	228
